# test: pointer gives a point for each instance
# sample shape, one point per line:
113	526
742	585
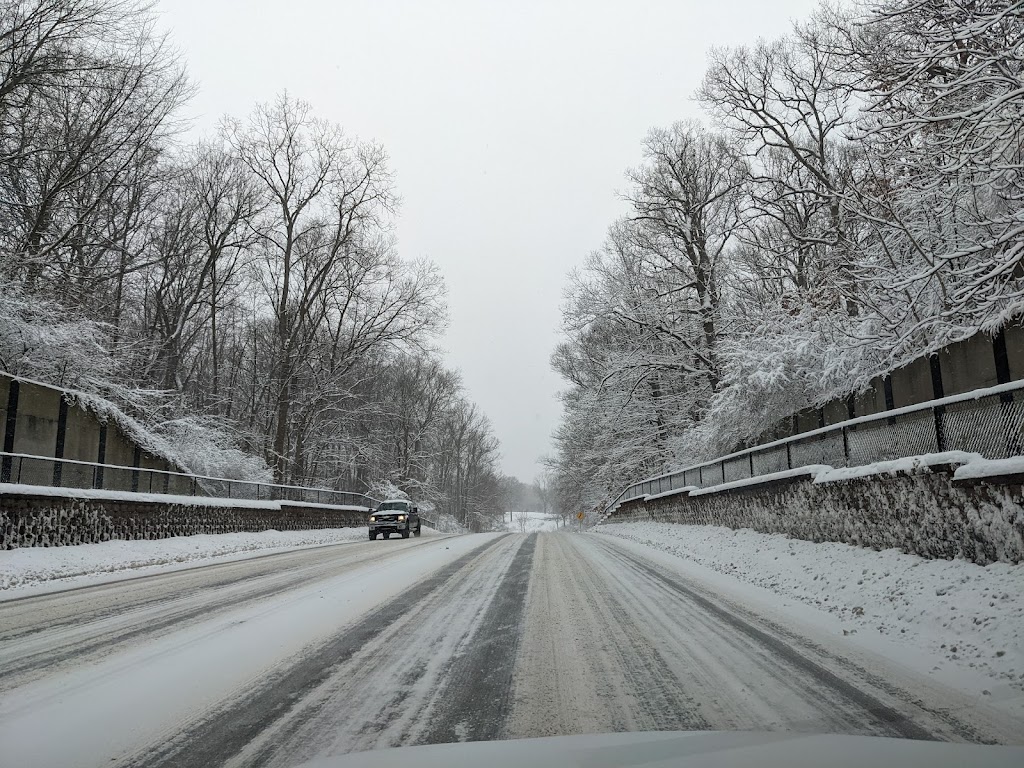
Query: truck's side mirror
415	510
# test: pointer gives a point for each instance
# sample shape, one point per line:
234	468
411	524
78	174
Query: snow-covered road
278	659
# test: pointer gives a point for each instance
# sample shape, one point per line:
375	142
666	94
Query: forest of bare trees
241	295
854	199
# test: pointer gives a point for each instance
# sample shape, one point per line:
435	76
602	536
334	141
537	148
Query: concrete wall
28	520
808	420
81	436
119	449
871	400
912	384
924	513
836	411
1014	335
5	391
36	430
964	366
967	365
37	427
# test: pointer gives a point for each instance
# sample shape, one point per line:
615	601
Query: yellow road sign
580	515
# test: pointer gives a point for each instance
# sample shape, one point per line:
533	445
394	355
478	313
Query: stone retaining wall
48	521
923	513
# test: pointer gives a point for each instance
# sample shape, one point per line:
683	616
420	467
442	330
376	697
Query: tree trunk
284	403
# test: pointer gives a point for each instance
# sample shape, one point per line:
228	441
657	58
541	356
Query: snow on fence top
967	428
195	485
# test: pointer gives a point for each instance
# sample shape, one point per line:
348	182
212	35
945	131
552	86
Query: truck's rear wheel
419	529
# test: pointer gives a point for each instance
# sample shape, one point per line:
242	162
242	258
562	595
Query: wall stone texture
923	513
46	521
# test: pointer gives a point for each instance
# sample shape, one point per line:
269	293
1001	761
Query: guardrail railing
986	421
68	473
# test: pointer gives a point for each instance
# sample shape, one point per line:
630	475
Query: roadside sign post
580	516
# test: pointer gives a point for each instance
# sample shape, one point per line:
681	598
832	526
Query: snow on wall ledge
48	520
921	512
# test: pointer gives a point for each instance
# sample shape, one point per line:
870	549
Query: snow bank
980	468
674	492
905	465
35	565
912	503
971	616
153	498
811	470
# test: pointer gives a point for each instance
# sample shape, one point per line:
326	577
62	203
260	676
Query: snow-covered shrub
207	447
40	339
780	369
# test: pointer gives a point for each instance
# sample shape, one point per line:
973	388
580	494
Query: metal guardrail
68	473
987	421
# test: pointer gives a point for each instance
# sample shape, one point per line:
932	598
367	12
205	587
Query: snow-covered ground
532	522
30	567
93	712
951	617
273	661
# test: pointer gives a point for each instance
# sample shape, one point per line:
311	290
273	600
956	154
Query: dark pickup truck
395	516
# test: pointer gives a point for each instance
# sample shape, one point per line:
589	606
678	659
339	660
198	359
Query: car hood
691	749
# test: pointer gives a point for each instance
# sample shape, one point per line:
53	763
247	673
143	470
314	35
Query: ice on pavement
29	566
955	616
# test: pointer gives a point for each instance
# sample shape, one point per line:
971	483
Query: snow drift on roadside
35	565
971	615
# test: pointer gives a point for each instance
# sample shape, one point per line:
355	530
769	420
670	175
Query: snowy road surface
279	659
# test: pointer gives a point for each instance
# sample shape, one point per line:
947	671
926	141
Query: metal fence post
846	446
940	432
1013	444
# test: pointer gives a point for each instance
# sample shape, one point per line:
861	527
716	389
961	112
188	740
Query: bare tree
88	96
942	187
790	103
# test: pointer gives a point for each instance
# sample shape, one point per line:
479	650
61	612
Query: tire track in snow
251	729
476	700
893	712
585	664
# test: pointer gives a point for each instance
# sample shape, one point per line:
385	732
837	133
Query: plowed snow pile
970	615
34	565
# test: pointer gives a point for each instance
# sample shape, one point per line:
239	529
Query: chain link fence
989	422
65	473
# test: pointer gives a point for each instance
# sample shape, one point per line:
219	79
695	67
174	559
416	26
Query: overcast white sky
509	125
